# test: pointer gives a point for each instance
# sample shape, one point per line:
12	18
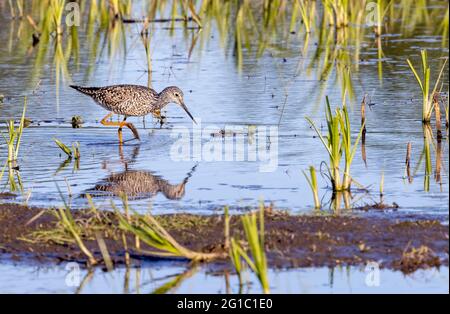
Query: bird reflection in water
138	184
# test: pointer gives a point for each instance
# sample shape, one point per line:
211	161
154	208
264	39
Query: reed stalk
312	181
437	111
363	125
424	81
145	38
382	187
57	10
427	142
408	162
14	136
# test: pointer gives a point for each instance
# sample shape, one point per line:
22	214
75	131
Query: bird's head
173	94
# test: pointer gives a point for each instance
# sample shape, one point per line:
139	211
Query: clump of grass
14	135
338	141
73	152
424	81
149	231
414	258
337	10
71	228
65	217
255	239
312	181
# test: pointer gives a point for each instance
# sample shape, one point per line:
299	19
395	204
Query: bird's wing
124	98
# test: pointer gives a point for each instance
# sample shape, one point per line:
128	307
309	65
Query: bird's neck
162	100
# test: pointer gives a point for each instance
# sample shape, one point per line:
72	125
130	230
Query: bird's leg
130	126
105	121
121	124
133	129
120	129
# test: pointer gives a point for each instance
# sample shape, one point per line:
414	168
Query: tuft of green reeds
255	239
72	229
312	181
65	217
149	231
73	152
14	135
424	81
337	142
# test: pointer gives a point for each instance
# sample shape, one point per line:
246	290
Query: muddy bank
291	241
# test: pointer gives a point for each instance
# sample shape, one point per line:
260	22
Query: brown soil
291	241
7	196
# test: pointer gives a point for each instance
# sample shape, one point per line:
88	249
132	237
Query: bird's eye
177	95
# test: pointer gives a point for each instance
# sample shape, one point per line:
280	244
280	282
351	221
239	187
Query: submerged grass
73	152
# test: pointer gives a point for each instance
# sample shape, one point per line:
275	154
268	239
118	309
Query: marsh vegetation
348	85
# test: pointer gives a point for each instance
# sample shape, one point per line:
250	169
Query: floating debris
77	122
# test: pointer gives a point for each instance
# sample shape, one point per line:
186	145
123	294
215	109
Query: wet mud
406	243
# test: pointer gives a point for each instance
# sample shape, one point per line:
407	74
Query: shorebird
132	100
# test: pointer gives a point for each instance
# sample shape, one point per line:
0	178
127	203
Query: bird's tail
85	90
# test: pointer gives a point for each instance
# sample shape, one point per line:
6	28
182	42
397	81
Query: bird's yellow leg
105	121
120	135
130	126
133	129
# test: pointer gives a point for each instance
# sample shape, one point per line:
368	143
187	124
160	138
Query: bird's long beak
187	111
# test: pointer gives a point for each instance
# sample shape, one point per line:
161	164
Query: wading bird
132	100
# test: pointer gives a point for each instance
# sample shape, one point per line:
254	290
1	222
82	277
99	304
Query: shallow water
279	89
65	279
219	94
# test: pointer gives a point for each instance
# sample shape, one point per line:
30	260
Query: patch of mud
7	196
291	241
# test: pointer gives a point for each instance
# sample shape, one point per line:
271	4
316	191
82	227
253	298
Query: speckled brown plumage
132	100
